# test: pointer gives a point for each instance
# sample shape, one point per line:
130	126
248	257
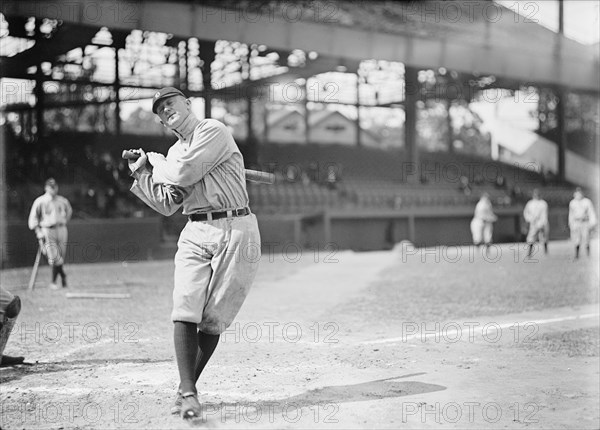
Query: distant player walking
49	216
482	224
536	214
582	218
218	249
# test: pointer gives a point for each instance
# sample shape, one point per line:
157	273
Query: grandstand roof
480	37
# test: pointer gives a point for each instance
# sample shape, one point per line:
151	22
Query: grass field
411	338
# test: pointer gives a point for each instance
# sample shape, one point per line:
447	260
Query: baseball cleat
176	408
190	407
53	286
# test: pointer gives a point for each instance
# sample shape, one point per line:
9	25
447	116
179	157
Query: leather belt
209	216
56	225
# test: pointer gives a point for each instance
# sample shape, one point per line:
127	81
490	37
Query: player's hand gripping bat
251	175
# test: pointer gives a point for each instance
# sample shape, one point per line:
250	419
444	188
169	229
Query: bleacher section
310	178
371	178
293	198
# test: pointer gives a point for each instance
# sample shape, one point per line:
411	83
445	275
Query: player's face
52	190
578	195
173	111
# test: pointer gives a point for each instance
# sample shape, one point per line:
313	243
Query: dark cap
50	182
164	93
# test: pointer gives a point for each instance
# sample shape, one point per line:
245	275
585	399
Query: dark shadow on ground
328	398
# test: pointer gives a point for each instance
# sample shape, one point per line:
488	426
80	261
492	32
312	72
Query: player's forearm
33	222
179	173
165	200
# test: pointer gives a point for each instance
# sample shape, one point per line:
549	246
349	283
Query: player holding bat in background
218	249
48	218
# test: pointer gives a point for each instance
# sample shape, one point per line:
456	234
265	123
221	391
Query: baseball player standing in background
582	218
49	216
218	249
10	306
482	224
536	214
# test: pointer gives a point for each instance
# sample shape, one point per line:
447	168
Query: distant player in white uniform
218	249
49	216
536	214
582	218
482	225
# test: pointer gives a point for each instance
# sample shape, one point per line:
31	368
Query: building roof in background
315	118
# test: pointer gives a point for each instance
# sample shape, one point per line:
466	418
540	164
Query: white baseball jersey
536	213
48	211
210	168
484	211
582	211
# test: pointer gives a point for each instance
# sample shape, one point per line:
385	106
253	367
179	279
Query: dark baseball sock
54	273
186	347
577	251
63	275
530	250
207	343
545	247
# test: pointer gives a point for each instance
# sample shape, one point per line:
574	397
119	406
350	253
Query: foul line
491	327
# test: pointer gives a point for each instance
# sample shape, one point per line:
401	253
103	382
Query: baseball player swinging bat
251	175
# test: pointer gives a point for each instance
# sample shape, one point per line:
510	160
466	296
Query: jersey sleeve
591	214
68	210
164	199
527	212
210	146
571	214
35	215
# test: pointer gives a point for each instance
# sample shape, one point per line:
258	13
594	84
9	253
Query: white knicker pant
215	265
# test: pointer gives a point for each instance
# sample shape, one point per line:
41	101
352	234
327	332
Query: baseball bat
36	265
251	175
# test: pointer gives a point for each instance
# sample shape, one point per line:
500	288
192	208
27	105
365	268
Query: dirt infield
428	338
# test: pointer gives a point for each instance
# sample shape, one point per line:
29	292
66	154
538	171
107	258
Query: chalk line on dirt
467	326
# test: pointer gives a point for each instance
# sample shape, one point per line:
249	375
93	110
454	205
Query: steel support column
410	124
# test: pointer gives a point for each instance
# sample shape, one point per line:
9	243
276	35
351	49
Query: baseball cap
50	182
164	93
